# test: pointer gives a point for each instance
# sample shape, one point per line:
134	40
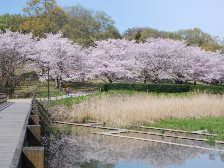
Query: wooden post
33	135
33	157
34	120
34	111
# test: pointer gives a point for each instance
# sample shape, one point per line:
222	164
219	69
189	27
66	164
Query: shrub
28	95
165	88
159	88
215	89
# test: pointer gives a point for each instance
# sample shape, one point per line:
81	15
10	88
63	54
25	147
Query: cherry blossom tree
158	60
60	56
112	60
206	66
154	60
172	59
15	48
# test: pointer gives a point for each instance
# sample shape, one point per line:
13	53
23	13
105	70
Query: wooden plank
157	141
13	121
33	157
118	130
110	128
92	125
174	136
167	135
115	132
75	124
173	130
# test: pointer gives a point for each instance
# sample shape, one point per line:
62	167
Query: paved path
12	121
71	95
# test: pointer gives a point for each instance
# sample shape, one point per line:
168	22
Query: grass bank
131	108
190	111
69	102
214	125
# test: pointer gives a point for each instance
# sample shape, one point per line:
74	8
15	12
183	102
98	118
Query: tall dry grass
141	108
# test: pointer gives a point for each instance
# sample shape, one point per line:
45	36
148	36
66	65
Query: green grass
28	88
68	102
86	86
53	93
214	125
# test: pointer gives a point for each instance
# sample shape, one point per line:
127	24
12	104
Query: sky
167	15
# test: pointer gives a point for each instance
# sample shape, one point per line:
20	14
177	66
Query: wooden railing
3	98
30	152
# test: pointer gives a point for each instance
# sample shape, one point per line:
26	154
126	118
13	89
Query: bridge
20	134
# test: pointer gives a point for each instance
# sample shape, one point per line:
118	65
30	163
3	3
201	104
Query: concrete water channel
92	147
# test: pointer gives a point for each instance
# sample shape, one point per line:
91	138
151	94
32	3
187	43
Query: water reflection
83	149
96	164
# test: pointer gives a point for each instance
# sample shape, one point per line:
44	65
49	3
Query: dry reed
141	108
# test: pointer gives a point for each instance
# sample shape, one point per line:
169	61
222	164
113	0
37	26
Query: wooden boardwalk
12	122
14	119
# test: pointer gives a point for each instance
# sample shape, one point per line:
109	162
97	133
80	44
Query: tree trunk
58	83
10	87
57	80
110	81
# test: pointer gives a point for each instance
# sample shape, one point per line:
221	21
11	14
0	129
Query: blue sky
168	15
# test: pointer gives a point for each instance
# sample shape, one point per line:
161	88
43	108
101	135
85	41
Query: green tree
193	36
85	26
138	36
37	25
77	23
149	32
11	22
202	39
39	7
44	16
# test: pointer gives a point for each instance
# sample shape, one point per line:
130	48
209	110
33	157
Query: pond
83	149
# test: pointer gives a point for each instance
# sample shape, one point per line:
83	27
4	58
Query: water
83	149
203	161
